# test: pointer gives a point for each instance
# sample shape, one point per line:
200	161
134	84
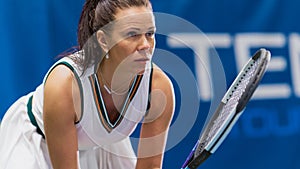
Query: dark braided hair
94	16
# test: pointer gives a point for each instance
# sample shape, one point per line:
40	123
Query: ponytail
86	37
85	26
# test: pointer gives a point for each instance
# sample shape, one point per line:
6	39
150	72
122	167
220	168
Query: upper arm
155	126
59	118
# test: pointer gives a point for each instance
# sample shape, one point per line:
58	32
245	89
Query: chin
141	69
141	72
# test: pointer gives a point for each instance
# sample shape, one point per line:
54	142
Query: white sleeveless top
94	128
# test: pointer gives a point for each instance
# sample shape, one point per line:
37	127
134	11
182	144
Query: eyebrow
138	29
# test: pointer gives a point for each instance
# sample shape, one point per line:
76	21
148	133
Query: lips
142	56
142	60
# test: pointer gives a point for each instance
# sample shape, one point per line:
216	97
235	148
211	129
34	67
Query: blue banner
222	33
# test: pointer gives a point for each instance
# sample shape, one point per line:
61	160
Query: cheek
125	49
126	52
153	44
121	51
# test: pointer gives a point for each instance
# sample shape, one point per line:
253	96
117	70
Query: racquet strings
231	102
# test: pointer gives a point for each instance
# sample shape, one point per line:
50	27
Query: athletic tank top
94	128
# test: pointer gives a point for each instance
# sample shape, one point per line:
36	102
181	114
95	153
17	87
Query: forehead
136	17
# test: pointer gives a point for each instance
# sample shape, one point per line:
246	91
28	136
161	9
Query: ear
101	37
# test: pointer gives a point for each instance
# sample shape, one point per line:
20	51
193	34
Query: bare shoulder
59	92
162	97
59	79
161	80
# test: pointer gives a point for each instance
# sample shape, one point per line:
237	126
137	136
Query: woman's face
132	40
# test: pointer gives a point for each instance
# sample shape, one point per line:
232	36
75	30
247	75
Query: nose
144	43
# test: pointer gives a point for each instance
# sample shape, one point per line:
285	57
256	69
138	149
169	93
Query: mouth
142	60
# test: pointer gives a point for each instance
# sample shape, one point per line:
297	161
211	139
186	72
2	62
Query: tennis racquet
229	110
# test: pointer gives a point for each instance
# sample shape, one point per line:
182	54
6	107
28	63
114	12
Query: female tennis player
92	100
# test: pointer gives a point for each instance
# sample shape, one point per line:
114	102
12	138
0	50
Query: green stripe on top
32	118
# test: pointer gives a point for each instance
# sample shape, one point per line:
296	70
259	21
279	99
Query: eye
150	34
131	34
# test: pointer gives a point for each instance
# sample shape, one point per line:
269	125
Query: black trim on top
32	118
131	93
150	89
100	104
136	85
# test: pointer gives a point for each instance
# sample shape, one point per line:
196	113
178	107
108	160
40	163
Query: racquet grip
198	160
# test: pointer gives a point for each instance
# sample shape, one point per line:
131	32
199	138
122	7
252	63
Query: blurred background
267	136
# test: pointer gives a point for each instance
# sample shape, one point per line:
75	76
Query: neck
114	80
